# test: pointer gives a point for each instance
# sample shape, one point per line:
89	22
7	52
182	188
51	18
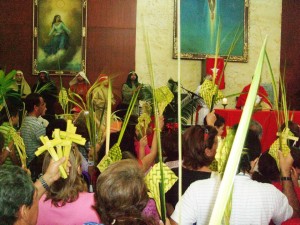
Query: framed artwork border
198	55
70	57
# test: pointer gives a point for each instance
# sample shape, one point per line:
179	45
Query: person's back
67	202
32	129
73	213
257	203
252	202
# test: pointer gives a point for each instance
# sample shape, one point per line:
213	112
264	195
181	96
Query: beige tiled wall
264	19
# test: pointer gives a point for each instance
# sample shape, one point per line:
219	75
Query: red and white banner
210	64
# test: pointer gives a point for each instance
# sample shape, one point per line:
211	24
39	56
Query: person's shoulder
212	181
86	197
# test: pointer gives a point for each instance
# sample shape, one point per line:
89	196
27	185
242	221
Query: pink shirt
137	148
74	213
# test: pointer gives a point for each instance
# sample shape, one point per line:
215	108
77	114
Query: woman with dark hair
267	169
128	89
60	36
199	145
170	146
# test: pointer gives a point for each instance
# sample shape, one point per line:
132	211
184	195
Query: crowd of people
264	192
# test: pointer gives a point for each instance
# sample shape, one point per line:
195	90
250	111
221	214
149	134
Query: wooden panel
112	13
290	51
110	38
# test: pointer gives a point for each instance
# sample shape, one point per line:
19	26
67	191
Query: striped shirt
31	131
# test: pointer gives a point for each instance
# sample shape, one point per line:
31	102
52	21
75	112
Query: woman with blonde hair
67	200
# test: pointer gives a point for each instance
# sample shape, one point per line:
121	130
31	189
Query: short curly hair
121	194
16	190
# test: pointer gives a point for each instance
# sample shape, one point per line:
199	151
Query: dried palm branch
237	146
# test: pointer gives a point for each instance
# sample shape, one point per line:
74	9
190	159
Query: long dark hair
268	171
128	81
54	19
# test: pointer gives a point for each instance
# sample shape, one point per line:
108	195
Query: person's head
80	77
268	171
82	128
18	197
132	78
56	19
219	124
199	145
121	193
55	124
256	127
251	152
43	76
13	116
35	105
103	80
19	76
170	142
66	190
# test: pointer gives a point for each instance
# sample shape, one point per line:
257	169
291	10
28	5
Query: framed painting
59	36
205	24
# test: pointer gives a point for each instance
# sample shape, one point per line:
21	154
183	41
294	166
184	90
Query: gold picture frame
59	36
200	20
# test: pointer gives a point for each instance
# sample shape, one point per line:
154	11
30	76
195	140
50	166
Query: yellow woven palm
114	155
63	98
207	90
153	178
163	97
143	123
281	144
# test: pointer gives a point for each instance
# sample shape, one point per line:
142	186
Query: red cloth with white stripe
210	65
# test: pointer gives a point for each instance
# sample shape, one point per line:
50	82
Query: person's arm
67	30
9	152
51	31
12	154
142	145
149	159
52	174
287	184
211	118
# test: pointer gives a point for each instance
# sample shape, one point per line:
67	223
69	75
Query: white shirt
204	110
252	203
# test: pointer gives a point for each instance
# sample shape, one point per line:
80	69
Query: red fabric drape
210	64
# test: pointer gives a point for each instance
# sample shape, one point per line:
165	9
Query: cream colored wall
264	19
